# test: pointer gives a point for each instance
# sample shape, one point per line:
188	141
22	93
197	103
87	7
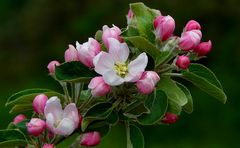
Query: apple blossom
203	48
183	62
61	122
190	39
164	26
115	67
90	139
51	67
39	103
147	82
71	54
113	32
19	118
36	126
99	87
169	118
192	25
87	51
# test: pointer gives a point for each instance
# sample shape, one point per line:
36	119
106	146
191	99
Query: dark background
34	32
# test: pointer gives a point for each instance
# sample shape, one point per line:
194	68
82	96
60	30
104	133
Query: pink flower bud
19	118
147	82
190	39
169	118
90	139
192	25
71	54
203	48
183	62
48	146
39	103
51	67
129	16
113	32
99	87
87	51
36	126
164	26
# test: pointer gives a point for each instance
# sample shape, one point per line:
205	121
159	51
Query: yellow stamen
121	69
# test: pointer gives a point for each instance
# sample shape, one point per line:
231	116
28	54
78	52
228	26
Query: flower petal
112	79
136	68
65	128
119	51
54	107
103	62
50	121
71	112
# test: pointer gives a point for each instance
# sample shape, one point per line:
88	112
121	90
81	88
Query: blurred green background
33	32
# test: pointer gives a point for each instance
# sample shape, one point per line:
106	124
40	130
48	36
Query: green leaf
130	31
20	108
113	118
157	104
22	126
137	111
173	92
144	18
74	72
68	141
98	35
101	126
205	79
136	137
144	45
188	108
27	96
12	138
99	111
173	107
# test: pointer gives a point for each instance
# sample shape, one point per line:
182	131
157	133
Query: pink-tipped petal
71	111
119	51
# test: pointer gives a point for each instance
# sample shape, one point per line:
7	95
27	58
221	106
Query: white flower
115	67
61	122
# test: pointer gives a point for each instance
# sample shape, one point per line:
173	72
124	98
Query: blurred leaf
99	111
130	31
26	96
136	137
12	138
74	72
188	108
173	92
145	18
137	111
157	104
205	79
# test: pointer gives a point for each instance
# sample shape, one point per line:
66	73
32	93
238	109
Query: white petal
71	112
136	68
133	77
65	128
119	51
50	121
54	107
103	62
105	27
112	79
139	64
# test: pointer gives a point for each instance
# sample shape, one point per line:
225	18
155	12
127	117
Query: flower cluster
52	121
120	76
